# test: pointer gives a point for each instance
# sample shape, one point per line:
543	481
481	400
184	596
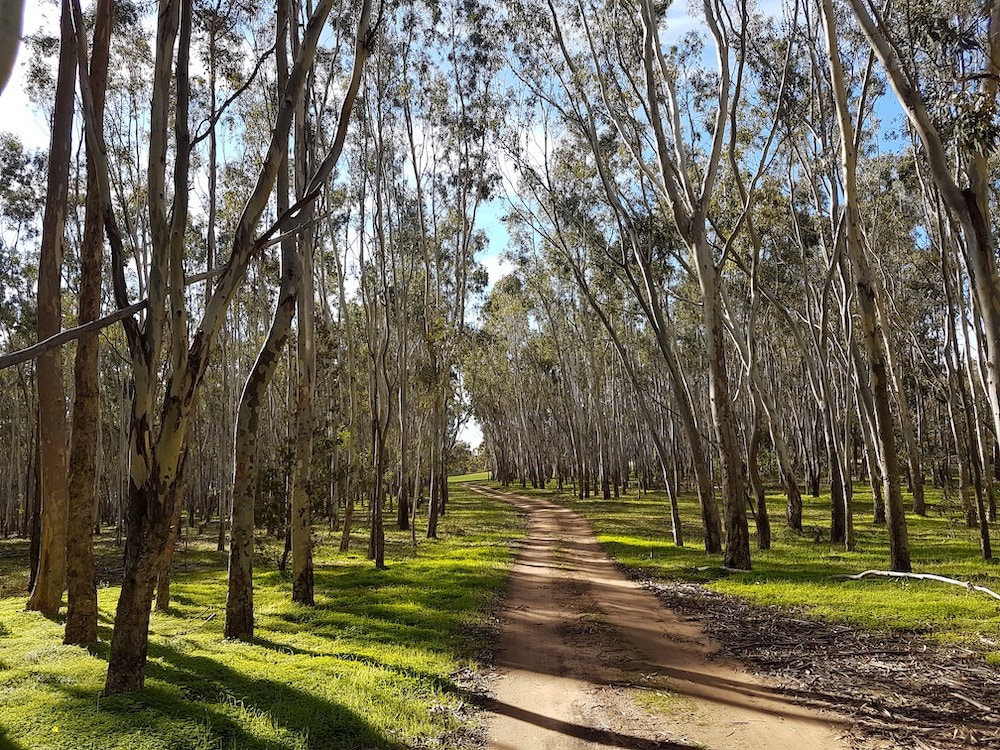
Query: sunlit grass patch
479	476
371	666
661	701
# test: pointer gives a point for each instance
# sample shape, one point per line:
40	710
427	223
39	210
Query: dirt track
589	659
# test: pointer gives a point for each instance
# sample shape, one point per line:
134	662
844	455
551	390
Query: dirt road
591	660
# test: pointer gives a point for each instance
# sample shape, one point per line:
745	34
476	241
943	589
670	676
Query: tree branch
70	334
919	576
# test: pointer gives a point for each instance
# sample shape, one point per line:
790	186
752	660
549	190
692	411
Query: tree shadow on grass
436	682
8	744
193	700
203	688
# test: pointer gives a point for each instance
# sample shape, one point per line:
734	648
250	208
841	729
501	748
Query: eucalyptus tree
158	443
239	599
821	322
849	235
347	350
763	86
378	262
961	404
300	505
49	584
941	61
890	193
239	610
81	616
962	386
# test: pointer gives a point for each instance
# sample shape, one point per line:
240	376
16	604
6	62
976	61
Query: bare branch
70	334
918	576
214	119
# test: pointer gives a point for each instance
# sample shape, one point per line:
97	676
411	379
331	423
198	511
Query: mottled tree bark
46	595
301	521
81	613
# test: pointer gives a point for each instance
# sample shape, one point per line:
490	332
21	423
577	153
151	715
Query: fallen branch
919	576
969	700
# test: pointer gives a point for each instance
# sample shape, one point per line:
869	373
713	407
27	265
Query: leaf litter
900	689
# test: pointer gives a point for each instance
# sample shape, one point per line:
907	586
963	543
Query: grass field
797	571
371	666
375	663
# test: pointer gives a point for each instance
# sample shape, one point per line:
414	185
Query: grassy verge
797	571
481	476
371	666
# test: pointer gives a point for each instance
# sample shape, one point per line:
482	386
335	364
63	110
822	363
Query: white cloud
497	266
471	433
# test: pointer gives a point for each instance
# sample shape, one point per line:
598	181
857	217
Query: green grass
369	667
797	571
481	476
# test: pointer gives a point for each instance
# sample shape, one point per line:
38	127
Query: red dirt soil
590	659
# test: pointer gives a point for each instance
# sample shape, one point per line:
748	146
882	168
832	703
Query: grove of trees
244	284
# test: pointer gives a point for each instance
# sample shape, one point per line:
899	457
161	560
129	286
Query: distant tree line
733	266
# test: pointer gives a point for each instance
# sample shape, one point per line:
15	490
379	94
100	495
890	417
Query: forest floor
379	663
588	658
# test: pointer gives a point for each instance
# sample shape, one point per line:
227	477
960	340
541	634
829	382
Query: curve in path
590	660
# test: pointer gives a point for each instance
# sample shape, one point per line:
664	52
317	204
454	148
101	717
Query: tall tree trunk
434	502
301	521
163	576
737	553
899	550
757	486
403	426
239	598
46	595
81	577
150	515
915	470
305	392
33	511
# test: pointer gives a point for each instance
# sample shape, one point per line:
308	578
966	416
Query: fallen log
919	576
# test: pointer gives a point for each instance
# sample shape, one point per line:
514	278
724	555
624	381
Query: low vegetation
798	570
373	665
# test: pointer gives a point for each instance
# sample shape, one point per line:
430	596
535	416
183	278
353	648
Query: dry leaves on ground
899	688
